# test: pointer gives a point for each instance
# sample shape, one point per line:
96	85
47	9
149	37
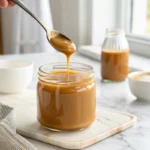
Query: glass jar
66	99
115	56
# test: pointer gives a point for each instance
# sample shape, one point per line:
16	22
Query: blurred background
84	21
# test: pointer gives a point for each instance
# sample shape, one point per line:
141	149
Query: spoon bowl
61	43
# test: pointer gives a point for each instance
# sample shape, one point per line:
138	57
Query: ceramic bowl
139	88
15	75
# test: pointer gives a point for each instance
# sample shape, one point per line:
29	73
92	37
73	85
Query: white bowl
15	75
139	88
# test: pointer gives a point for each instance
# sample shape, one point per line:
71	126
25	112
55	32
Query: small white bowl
139	88
15	75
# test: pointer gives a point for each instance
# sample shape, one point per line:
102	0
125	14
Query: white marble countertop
110	95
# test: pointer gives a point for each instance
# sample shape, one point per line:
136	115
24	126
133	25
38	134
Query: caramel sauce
114	65
67	107
63	45
68	101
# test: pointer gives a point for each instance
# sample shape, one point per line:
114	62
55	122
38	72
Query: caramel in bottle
114	65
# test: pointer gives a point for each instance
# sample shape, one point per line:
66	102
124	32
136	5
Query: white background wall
104	16
65	15
84	21
71	17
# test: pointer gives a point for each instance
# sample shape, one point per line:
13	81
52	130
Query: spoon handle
22	5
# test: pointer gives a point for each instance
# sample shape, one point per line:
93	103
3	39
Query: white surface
107	123
15	75
141	89
109	95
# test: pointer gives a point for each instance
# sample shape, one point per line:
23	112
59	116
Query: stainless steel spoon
59	41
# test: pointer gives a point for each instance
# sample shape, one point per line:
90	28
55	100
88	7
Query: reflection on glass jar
66	99
115	56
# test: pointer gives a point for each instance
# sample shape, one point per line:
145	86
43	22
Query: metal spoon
59	41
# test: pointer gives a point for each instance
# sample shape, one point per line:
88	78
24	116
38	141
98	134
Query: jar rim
82	71
88	68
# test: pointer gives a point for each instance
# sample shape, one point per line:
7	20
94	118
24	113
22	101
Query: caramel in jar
66	103
66	94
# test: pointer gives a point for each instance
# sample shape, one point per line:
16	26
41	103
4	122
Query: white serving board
108	123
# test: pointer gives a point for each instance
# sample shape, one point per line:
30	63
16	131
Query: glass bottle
115	56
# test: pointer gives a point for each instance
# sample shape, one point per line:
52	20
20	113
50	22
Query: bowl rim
27	65
130	75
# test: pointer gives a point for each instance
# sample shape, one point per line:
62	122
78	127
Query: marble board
107	123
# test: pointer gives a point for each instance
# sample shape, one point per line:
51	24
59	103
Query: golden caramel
67	106
114	65
66	99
